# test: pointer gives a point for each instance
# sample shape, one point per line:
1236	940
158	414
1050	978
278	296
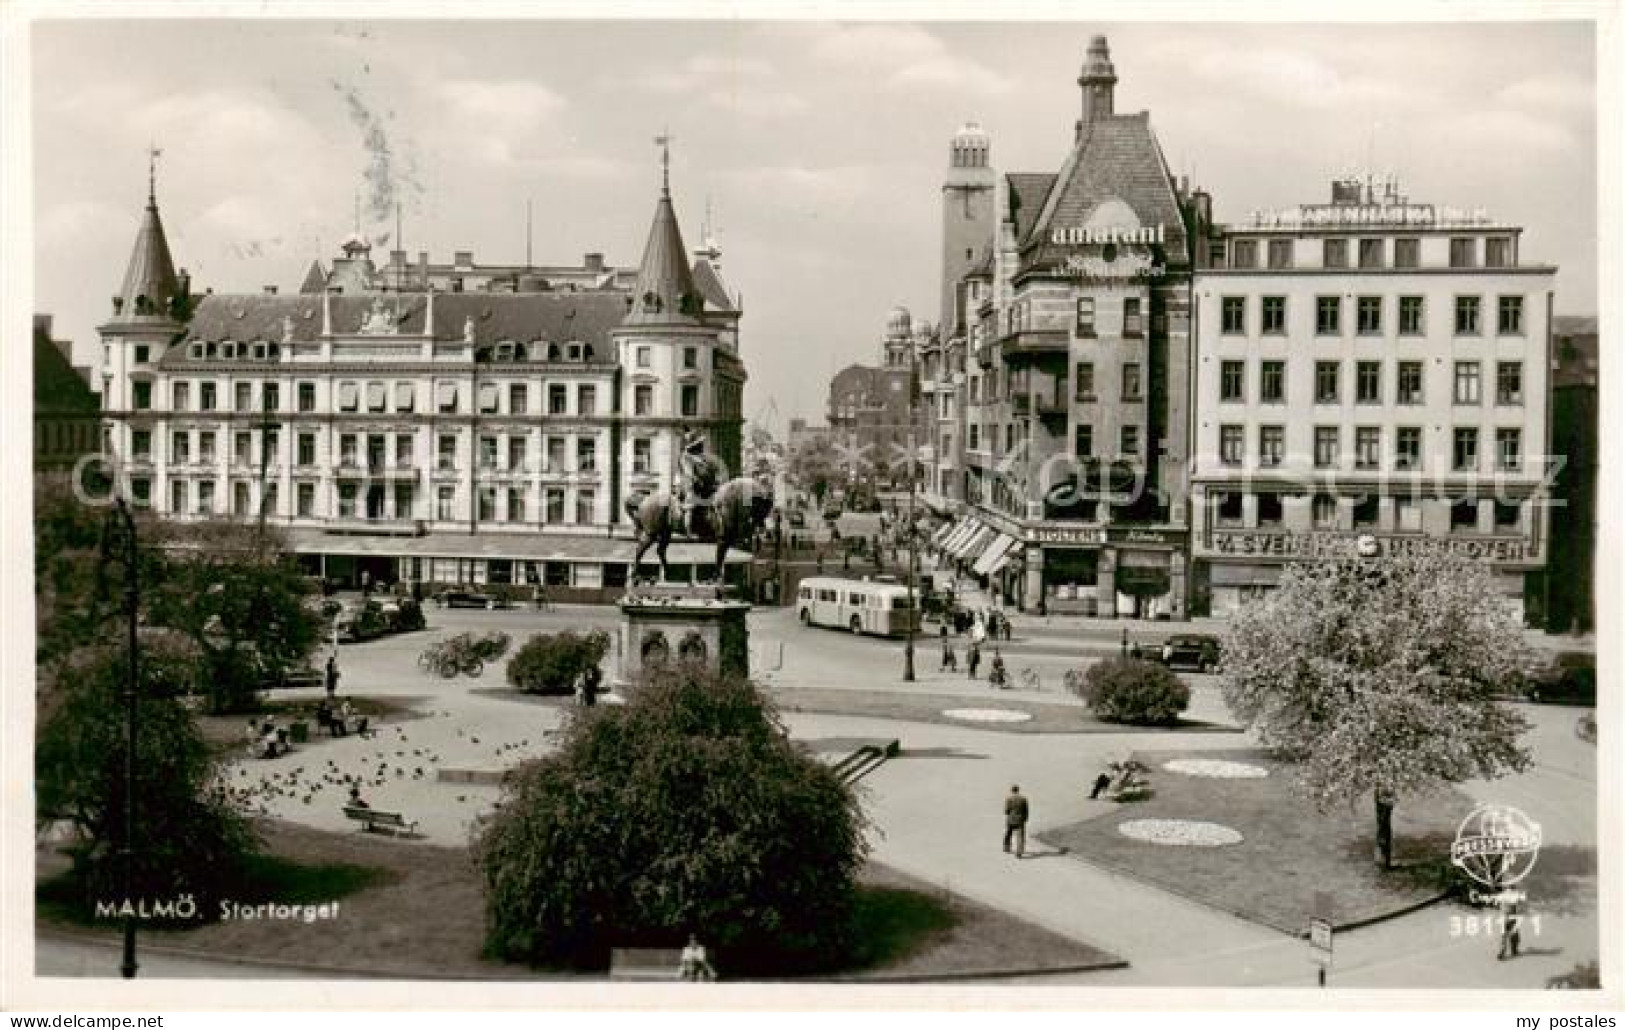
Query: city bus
860	606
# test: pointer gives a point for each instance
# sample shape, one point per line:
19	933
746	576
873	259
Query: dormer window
228	350
574	351
195	351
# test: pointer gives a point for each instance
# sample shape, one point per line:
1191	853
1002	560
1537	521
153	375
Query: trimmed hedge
1132	691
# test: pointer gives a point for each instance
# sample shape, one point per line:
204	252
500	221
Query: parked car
463	599
1193	650
1568	678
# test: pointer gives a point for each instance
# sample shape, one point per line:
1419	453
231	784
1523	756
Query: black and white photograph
633	506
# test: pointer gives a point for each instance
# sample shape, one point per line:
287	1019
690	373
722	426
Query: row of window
1467	382
380	451
378	503
376	397
1407	455
1369	315
1371	252
1133	323
1366	511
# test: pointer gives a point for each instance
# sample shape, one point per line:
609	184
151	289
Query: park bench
646	964
376	820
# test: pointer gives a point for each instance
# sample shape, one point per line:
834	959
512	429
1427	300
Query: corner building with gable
388	427
1076	323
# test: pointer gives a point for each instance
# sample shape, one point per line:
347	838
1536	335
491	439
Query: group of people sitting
266	739
340	723
1124	780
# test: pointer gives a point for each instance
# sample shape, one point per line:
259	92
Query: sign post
1320	946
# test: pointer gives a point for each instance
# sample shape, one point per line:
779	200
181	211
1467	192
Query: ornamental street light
913	551
120	547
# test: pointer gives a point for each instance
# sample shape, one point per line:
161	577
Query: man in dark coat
1015	821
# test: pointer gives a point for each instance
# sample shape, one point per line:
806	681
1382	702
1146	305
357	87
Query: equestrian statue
729	514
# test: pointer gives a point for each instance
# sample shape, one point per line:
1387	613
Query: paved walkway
938	808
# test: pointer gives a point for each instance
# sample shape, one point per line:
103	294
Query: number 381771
1491	925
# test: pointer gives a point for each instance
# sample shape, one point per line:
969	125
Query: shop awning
978	543
961	540
405	395
347	396
445	396
993	554
1010	555
956	539
375	397
942	533
488	398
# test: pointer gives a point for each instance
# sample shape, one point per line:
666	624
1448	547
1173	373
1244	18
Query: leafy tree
685	810
815	467
1380	678
1131	691
191	837
242	601
553	662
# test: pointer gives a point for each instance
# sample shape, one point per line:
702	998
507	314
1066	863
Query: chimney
270	290
1204	207
594	262
463	258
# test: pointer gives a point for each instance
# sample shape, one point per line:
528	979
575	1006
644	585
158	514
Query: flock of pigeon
392	760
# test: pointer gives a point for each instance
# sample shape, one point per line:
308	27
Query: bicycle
462	654
1586	728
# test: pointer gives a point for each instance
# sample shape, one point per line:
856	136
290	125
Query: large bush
191	837
551	663
1132	691
685	810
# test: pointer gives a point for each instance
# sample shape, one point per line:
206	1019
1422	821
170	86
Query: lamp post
913	552
119	546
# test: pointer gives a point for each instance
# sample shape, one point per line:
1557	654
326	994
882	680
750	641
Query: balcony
1027	342
1040	405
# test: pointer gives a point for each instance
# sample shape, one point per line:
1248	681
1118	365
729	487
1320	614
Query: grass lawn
1044	716
416	911
1289	851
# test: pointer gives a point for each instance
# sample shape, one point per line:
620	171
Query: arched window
655	649
692	647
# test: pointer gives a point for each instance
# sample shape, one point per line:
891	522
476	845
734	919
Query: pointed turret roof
665	292
315	279
151	288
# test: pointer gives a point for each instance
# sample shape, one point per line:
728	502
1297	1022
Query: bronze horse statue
730	517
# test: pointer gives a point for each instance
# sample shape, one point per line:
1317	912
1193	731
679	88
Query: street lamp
120	547
913	552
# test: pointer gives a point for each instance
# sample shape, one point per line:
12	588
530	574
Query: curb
1302	934
350	973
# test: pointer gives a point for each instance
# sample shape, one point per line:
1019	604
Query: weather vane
153	153
663	141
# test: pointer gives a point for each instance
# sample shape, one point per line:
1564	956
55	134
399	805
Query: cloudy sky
820	146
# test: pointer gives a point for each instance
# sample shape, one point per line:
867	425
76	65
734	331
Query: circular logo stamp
1496	845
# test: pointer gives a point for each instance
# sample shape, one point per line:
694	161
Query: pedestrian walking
950	661
973	658
1004	623
995	672
1015	821
590	681
1511	931
332	676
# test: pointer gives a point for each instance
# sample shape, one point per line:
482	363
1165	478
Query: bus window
805	593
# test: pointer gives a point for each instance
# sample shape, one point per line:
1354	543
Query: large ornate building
390	426
1372	377
1077	329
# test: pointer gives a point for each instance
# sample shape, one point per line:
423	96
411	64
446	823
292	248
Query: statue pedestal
661	624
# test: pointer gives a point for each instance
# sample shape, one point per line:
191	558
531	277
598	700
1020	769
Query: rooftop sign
1312	216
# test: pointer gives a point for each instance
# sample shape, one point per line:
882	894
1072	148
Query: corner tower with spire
149	312
680	371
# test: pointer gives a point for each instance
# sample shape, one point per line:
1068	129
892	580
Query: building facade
473	436
1077	327
1371	377
1571	605
67	416
874	411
